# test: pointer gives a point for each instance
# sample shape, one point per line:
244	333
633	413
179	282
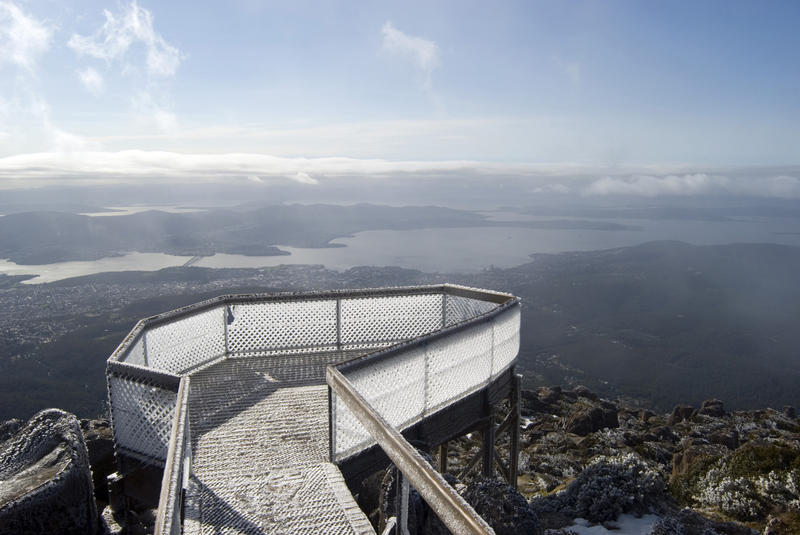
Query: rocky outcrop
100	446
681	413
593	418
45	480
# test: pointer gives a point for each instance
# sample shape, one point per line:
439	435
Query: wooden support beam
471	464
443	457
507	421
516	404
500	464
488	447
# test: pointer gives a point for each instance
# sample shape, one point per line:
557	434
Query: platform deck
260	450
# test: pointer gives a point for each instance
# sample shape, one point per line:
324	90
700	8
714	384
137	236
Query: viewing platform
262	413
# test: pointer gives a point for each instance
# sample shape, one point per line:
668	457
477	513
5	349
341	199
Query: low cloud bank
135	166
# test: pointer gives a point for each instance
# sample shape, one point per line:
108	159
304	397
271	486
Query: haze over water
447	250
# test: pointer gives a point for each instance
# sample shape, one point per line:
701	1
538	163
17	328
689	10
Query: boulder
712	407
9	428
681	413
532	403
502	506
45	480
583	392
549	394
590	419
684	461
789	412
100	446
645	415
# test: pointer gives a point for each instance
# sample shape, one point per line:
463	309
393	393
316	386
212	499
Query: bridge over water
259	413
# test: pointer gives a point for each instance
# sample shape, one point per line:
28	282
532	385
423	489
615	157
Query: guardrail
176	469
448	505
425	347
410	381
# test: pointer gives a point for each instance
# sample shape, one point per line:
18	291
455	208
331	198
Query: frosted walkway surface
260	450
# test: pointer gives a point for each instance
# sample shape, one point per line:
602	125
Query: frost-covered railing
474	337
176	469
145	370
375	396
407	382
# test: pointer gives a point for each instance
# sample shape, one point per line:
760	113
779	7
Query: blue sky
306	90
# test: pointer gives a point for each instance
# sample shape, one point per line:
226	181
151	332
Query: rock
683	461
728	438
100	445
588	420
8	428
680	413
45	480
583	392
712	407
503	508
549	394
789	412
665	434
531	402
687	521
645	415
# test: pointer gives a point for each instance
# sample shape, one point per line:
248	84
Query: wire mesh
142	415
263	328
380	321
182	344
416	381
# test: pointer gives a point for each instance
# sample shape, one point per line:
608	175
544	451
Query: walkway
260	450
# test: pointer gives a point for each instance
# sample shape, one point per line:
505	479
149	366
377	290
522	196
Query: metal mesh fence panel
185	343
395	387
458	309
142	416
506	340
458	364
380	321
421	379
261	328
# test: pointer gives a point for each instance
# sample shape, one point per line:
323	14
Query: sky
643	98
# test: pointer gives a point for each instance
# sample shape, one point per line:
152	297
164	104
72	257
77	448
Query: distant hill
48	237
665	321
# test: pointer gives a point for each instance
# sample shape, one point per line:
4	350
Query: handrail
448	505
169	508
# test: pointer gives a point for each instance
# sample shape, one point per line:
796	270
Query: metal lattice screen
404	388
142	414
411	383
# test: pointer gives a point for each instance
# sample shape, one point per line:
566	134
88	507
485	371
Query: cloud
74	163
120	32
423	53
653	186
22	38
92	80
115	42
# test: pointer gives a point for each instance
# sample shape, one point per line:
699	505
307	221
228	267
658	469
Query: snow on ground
628	525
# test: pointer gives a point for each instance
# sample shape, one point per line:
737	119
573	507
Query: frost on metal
412	351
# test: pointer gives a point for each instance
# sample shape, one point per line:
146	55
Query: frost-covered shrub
736	497
608	487
751	481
